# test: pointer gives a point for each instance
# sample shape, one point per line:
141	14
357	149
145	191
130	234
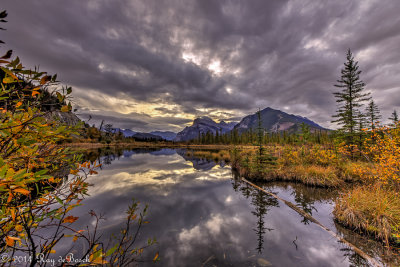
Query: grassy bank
371	209
313	165
154	145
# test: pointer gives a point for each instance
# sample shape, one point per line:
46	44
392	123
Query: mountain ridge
274	120
201	126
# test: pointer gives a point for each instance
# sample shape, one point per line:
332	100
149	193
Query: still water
201	215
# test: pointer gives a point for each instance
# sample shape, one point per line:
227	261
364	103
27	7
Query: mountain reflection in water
203	215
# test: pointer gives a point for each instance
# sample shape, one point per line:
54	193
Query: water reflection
203	216
261	203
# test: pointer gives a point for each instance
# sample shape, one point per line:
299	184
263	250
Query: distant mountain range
155	135
126	132
272	120
203	125
166	135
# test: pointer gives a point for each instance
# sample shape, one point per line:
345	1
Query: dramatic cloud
156	65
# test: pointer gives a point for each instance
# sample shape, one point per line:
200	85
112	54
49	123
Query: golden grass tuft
373	209
310	175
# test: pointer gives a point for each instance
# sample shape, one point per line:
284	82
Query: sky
157	65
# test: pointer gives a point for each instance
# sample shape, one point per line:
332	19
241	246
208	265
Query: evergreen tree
361	122
349	99
372	114
305	132
394	117
264	161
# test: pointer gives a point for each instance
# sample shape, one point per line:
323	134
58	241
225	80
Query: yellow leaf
22	191
64	108
18	104
156	257
18	227
52	251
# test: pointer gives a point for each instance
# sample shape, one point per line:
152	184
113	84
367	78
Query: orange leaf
70	219
45	79
99	260
13	215
11	240
9	80
10	196
18	227
35	93
18	104
22	191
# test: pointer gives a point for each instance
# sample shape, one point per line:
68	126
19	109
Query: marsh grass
313	175
374	209
312	165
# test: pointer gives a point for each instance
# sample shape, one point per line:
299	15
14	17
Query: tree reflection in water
261	203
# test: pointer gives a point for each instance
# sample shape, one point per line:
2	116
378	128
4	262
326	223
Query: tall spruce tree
350	99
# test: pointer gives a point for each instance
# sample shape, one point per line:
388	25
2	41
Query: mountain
156	135
169	136
274	120
125	132
68	118
203	125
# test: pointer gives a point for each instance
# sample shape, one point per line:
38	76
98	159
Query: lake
203	215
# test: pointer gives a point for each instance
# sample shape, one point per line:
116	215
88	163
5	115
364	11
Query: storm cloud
155	65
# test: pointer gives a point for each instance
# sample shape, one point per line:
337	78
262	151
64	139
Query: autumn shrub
382	146
321	156
356	171
289	155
